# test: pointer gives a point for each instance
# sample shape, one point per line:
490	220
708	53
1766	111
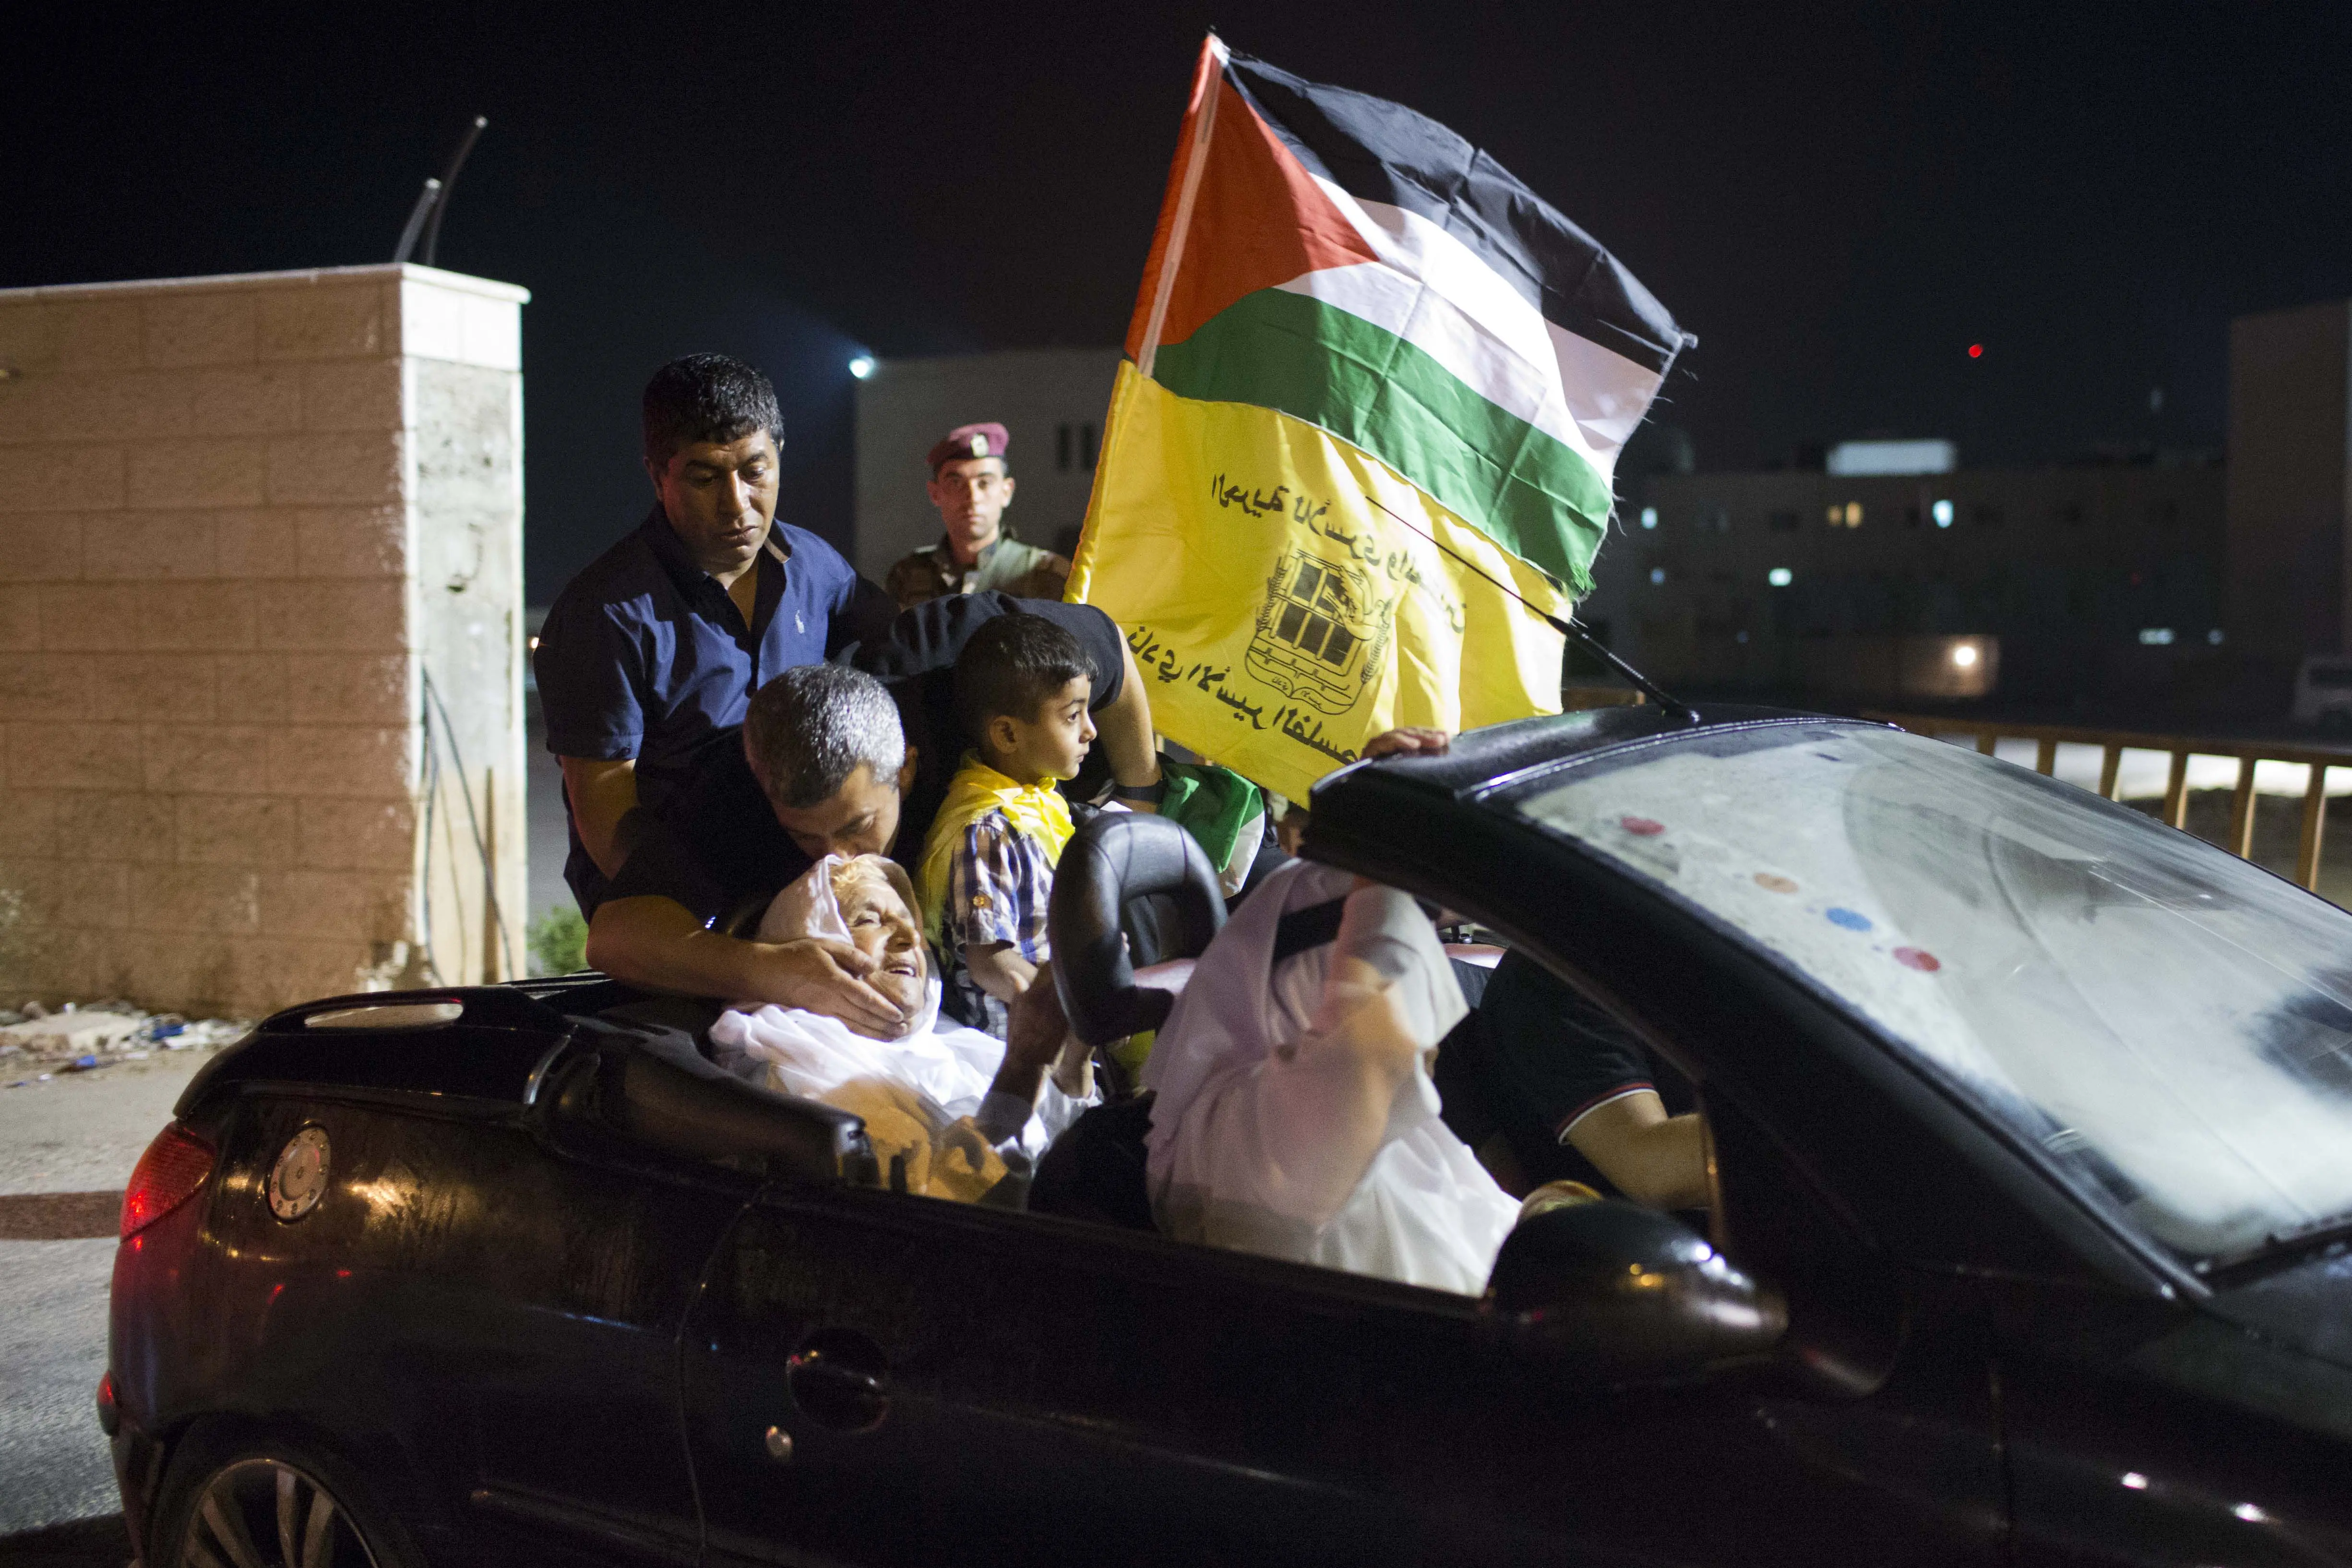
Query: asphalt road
77	1134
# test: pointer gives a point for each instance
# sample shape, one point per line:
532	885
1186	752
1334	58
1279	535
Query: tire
280	1503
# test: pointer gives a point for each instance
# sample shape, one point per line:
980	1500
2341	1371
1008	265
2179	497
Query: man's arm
602	793
658	943
1652	1158
1037	1040
999	968
1123	727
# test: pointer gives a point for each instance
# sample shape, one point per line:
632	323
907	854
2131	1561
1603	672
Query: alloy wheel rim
267	1513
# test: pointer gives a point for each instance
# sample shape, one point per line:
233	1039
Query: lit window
1780	576
1943	511
1657	576
2214	637
1837	516
2156	637
1649	517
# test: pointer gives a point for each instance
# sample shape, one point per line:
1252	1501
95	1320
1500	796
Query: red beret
986	440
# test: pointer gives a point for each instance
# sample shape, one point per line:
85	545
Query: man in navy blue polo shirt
653	652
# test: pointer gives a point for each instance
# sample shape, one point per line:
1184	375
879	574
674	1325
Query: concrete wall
1036	394
242	520
2290	413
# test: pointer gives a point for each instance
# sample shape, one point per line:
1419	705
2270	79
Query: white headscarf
1260	1132
917	1094
810	907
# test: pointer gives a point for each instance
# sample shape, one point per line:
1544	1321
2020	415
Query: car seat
1129	887
1132	891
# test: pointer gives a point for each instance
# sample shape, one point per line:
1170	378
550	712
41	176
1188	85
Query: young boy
1022	685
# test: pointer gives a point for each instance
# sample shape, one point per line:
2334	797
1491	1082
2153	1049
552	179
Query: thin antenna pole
1568	628
448	185
1195	160
424	199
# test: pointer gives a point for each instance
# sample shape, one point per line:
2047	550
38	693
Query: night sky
1838	201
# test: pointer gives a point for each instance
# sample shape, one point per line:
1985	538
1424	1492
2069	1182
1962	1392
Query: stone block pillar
260	617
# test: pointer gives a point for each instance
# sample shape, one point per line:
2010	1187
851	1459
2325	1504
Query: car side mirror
1626	1294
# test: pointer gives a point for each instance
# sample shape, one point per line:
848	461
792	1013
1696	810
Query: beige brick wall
242	520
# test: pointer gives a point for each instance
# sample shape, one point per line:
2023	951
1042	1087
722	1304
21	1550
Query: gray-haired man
825	760
832	760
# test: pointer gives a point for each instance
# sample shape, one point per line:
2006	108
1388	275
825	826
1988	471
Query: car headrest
1111	864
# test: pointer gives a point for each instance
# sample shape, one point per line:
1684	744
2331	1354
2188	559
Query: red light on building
1976	351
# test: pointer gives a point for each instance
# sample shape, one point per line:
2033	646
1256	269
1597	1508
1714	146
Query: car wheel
272	1504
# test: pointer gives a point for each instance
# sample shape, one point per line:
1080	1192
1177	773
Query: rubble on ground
36	1043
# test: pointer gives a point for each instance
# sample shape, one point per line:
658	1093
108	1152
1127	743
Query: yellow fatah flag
1279	617
1366	366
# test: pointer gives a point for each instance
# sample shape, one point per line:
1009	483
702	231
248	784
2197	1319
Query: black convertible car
2032	1124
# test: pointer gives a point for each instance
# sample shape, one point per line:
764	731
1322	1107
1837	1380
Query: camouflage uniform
1024	571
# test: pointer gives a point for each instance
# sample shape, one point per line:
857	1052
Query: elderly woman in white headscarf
944	1108
1296	1116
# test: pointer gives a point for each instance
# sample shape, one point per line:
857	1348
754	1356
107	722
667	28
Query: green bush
558	942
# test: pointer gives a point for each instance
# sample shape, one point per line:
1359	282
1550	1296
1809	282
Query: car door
872	1377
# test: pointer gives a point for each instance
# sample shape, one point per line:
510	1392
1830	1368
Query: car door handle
836	1378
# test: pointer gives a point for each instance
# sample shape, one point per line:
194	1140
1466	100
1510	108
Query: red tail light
171	1172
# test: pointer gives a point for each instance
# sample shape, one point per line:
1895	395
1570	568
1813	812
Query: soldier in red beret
971	486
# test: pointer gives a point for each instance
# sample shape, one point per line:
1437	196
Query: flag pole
1212	65
1570	627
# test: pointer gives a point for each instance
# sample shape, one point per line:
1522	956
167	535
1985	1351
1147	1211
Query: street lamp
862	367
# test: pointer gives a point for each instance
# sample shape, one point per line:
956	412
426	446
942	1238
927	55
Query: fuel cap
298	1180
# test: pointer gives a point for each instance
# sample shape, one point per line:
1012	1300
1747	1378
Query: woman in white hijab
943	1106
1295	1114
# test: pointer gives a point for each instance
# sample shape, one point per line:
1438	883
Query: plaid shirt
998	886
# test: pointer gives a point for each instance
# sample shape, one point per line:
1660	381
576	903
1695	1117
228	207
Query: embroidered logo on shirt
982	901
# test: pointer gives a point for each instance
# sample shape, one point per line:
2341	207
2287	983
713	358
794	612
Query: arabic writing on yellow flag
1279	617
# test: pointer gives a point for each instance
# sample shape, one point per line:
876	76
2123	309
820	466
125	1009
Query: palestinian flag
1376	394
1358	265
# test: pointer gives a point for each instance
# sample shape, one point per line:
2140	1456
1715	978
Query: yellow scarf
976	789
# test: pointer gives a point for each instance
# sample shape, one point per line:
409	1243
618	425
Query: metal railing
2048	738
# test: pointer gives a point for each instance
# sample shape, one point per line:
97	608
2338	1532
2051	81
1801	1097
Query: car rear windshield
2172	1025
